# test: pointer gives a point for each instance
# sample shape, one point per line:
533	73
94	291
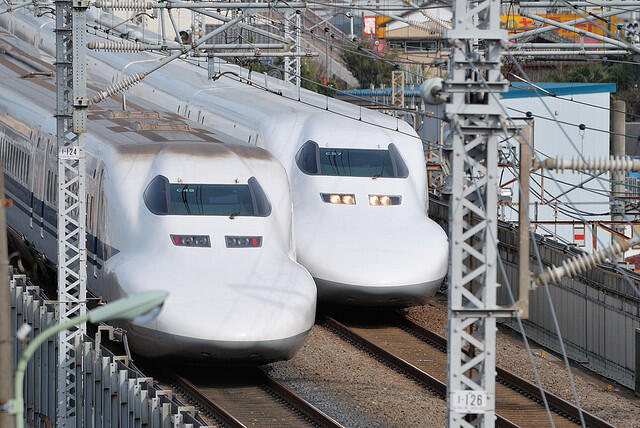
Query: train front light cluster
243	241
191	240
384	200
339	198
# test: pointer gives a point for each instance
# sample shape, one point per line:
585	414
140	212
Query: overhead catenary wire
563	98
627	279
535	246
513	302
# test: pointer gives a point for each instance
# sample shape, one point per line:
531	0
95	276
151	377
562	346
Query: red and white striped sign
578	235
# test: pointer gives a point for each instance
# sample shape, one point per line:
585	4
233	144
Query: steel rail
558	404
192	391
431	382
297	403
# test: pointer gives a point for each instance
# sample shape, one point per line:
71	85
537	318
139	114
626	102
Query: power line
562	97
580	126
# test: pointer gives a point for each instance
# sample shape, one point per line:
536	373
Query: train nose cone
397	261
223	313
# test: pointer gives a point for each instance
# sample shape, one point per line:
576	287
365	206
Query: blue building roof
524	90
516	90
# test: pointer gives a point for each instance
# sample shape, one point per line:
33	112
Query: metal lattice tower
292	37
475	127
397	90
71	103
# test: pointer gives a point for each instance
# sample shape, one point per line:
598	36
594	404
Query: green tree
626	77
309	70
369	68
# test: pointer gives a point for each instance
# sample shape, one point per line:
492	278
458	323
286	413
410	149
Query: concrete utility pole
475	126
617	148
524	275
6	340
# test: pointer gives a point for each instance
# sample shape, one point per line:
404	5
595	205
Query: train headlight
243	241
348	199
339	198
384	200
191	240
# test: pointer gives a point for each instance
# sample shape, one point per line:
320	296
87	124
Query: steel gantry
292	22
71	115
472	144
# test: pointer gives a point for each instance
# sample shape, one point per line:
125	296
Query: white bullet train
358	177
170	206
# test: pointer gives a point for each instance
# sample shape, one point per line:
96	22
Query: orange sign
519	24
381	29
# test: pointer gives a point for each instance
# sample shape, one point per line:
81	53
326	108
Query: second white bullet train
170	206
358	177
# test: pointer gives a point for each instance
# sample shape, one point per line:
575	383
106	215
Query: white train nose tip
212	314
377	260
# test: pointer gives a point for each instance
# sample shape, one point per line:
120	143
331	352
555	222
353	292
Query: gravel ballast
355	389
616	405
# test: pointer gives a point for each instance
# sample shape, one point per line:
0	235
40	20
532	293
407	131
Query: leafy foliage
366	69
625	76
309	70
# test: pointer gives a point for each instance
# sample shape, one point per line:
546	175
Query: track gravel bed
248	397
354	388
387	332
617	405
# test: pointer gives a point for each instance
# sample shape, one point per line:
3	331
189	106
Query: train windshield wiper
234	215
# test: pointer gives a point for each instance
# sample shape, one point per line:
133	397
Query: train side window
20	165
307	158
46	186
155	195
98	206
48	189
90	211
262	205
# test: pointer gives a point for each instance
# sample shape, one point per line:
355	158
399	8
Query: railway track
421	354
248	397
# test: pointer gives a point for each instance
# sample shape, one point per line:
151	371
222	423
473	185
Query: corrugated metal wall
597	311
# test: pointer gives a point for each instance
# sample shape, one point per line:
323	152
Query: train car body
171	206
378	248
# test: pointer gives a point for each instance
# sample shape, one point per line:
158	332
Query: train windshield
164	198
351	162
